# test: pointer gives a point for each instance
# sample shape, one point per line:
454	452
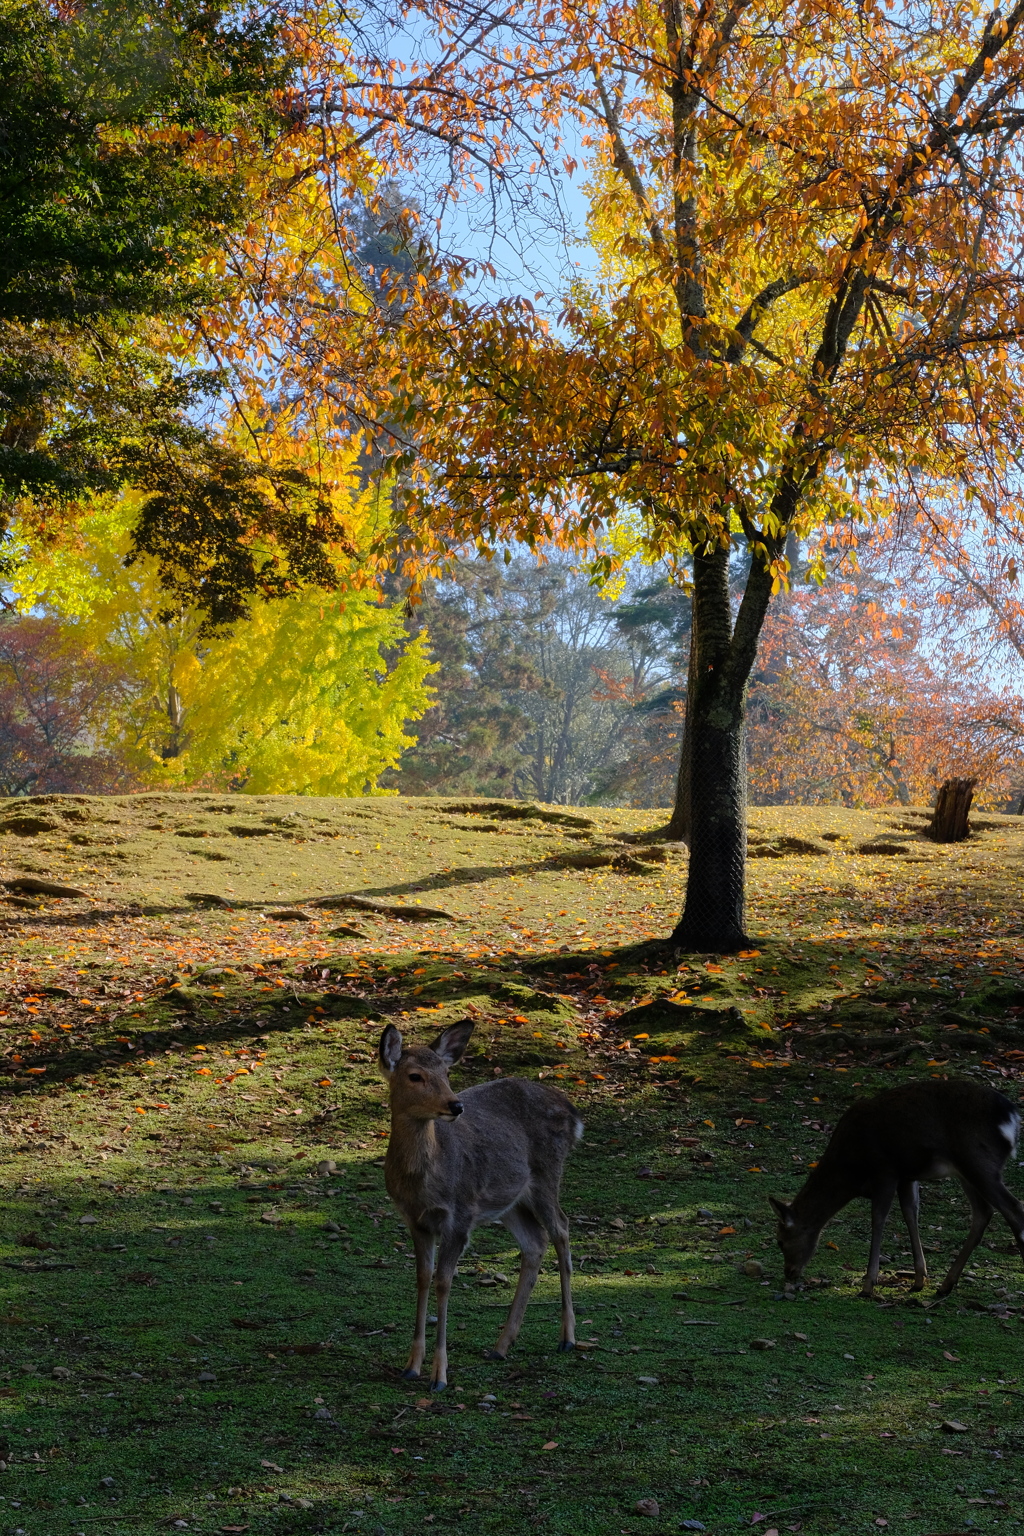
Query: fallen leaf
33	1240
550	1445
271	1466
946	1355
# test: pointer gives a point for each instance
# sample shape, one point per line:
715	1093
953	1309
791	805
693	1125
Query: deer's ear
389	1050
451	1043
782	1210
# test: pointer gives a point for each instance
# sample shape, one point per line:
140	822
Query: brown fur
495	1153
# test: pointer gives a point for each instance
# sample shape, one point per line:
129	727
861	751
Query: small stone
106	1482
954	1427
60	1373
753	1269
271	1217
617	1223
88	1221
648	1381
206	1376
691	1525
762	1343
649	1507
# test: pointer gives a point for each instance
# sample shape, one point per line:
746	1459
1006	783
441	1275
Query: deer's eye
414	1077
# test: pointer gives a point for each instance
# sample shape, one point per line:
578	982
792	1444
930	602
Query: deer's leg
560	1238
881	1204
449	1252
554	1218
423	1245
533	1241
1008	1206
981	1215
910	1205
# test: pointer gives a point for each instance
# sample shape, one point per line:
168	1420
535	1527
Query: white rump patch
577	1130
1011	1130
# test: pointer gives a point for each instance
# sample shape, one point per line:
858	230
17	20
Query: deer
495	1152
888	1146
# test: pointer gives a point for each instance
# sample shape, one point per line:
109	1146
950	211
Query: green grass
708	1388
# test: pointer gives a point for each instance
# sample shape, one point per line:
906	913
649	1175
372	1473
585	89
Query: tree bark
949	822
722	659
680	822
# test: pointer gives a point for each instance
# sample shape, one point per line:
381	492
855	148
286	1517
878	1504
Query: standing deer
495	1153
886	1146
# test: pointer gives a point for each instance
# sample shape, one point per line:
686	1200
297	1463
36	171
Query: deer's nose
455	1108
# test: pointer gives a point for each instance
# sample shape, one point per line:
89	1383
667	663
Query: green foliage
133	139
108	200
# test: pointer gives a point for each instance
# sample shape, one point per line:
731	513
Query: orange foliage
851	704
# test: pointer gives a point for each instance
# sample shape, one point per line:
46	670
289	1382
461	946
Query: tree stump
952	807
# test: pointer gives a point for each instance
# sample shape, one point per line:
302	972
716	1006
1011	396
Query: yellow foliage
310	695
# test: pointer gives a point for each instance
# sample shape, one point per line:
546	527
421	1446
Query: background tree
55	702
857	700
546	689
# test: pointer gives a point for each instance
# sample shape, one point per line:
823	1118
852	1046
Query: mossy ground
199	1334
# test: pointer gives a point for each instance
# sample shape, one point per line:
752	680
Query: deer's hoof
566	1347
411	1373
438	1386
494	1354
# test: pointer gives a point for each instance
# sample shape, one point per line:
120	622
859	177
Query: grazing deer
494	1153
886	1146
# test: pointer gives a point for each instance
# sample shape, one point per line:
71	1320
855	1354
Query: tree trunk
949	822
680	822
722	659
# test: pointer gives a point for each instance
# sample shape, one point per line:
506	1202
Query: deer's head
797	1239
417	1075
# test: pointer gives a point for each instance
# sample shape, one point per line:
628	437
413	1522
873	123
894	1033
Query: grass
208	1300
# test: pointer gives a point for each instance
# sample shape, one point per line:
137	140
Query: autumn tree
55	701
859	698
310	694
807	312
